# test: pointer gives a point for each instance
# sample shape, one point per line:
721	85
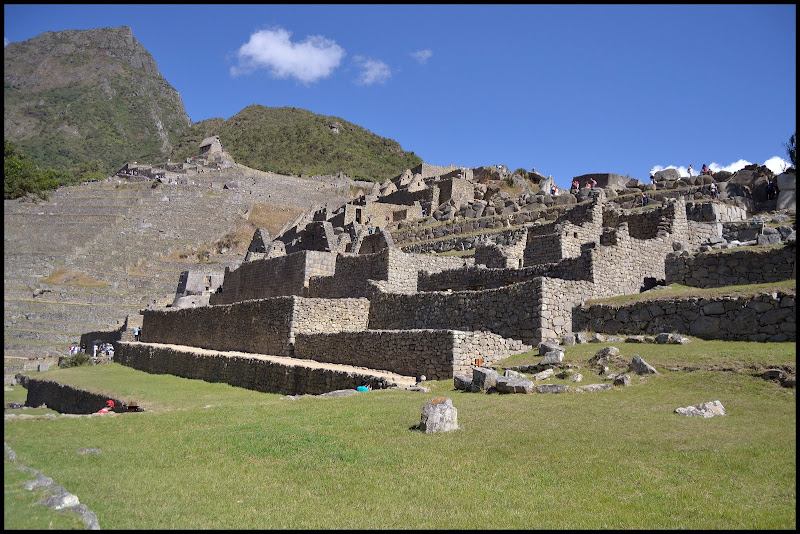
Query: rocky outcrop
74	73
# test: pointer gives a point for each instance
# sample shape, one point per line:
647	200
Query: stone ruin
332	288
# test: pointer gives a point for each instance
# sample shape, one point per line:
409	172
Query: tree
791	149
22	176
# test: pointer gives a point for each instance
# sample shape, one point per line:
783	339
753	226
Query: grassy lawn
212	456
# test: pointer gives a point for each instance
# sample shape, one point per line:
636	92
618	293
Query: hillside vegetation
77	96
289	140
80	100
21	176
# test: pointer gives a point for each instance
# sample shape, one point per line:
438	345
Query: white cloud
307	61
374	71
5	42
733	167
422	56
776	164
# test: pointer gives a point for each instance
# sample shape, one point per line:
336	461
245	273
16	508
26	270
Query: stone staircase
124	237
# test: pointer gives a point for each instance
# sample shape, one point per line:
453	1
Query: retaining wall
764	317
511	312
437	354
728	267
273	277
268	374
64	398
266	326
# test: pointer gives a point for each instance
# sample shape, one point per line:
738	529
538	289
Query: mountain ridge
76	96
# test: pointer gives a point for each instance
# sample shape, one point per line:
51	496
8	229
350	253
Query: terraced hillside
95	254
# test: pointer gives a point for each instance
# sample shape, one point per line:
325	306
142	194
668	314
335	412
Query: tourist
136	333
645	199
364	386
690	170
705	169
713	190
772	190
592	183
109	407
575	184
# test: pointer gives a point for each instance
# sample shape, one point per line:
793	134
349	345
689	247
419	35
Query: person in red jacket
109	407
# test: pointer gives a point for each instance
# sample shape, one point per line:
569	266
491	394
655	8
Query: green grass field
212	456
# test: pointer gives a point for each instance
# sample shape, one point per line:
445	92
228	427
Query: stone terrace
122	233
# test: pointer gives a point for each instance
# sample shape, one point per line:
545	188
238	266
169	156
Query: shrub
74	361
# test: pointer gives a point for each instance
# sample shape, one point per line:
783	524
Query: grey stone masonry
265	326
269	374
64	398
273	277
763	317
437	354
510	312
732	267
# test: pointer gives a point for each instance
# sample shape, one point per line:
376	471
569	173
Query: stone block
512	374
514	385
639	366
787	181
462	382
704	409
438	415
592	387
552	358
622	380
484	378
544	375
552	388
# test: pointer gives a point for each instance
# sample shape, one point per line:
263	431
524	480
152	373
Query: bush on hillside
76	360
22	176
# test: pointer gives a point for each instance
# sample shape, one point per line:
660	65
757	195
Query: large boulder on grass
704	409
514	385
439	415
484	378
641	367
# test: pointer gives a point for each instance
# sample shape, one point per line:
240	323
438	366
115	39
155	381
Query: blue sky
565	89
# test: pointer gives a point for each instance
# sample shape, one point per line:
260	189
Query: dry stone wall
437	354
474	277
273	277
732	267
624	264
64	398
571	231
269	374
265	326
764	317
511	312
389	269
559	298
352	273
